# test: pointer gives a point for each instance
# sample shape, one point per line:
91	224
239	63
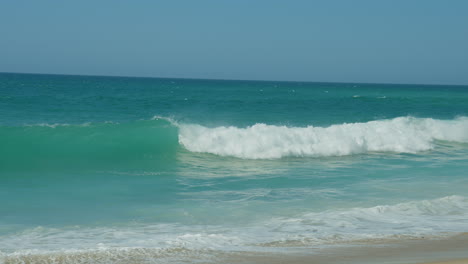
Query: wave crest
261	141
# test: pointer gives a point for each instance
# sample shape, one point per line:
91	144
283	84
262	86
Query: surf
149	142
414	219
262	141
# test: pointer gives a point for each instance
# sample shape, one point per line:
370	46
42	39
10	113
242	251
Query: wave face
86	145
261	141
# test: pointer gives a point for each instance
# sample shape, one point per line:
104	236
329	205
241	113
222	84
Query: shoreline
459	261
425	250
449	250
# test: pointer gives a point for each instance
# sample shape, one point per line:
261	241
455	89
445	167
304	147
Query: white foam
410	219
55	125
261	141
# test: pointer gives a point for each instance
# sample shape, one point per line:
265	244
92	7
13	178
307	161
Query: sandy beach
460	261
452	250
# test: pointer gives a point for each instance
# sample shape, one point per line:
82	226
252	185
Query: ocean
149	170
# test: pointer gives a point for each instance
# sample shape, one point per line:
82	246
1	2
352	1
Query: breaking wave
145	142
261	141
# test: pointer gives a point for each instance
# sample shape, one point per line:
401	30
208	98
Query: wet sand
452	250
461	261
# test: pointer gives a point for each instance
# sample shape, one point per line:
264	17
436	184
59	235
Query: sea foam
262	141
151	242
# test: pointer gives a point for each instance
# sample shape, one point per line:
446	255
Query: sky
376	41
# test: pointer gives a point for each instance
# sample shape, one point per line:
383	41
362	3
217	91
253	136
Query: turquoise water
133	168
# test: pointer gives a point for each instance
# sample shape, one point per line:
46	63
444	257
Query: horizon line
221	79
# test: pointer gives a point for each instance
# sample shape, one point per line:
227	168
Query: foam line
262	141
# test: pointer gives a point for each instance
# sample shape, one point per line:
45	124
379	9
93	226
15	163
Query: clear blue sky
392	41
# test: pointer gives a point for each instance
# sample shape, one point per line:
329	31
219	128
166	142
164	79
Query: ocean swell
261	141
89	145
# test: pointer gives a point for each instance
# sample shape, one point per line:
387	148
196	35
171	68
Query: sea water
147	170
